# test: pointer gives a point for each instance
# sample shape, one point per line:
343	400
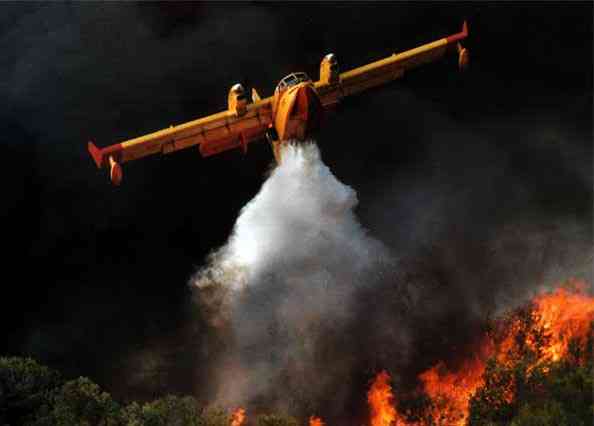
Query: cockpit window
292	79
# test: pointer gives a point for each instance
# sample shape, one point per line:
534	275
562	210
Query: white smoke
295	257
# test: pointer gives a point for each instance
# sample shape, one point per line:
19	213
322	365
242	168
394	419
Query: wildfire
238	417
315	421
453	390
562	316
554	319
380	401
546	328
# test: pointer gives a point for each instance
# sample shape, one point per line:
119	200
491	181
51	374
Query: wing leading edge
392	67
213	134
244	123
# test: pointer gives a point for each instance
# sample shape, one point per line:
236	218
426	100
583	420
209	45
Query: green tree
81	402
554	393
167	411
214	417
490	405
25	386
562	396
275	420
550	413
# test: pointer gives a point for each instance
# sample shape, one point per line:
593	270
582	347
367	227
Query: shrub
25	386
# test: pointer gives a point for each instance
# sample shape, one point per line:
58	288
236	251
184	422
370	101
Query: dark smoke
309	306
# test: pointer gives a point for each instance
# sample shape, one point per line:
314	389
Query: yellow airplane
292	114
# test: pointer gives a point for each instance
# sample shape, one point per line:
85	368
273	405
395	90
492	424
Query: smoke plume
305	306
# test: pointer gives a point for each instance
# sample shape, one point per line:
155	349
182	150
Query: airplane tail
115	169
463	57
96	154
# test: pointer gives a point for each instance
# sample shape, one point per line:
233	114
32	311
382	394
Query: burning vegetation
238	417
315	421
381	401
553	331
505	374
532	366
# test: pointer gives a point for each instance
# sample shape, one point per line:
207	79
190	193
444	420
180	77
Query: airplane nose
301	106
307	102
307	109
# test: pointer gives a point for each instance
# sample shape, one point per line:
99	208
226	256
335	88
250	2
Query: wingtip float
293	112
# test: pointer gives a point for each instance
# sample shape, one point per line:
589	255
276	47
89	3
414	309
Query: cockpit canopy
291	80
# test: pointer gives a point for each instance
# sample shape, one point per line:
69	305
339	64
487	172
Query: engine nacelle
329	71
237	100
462	57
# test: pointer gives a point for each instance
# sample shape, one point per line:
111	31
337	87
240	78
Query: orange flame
559	317
562	316
380	398
238	417
315	421
554	320
454	390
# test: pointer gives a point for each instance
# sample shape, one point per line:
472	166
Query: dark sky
94	273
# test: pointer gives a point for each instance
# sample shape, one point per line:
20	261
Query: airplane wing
391	68
233	128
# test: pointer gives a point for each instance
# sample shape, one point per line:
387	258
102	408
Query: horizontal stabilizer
459	36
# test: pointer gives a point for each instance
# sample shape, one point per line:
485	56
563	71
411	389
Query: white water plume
302	220
286	278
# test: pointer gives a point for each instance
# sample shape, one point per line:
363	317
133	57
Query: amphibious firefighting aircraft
290	115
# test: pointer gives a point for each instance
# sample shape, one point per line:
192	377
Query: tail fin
459	36
96	154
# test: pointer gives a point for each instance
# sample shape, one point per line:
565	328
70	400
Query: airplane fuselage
297	114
